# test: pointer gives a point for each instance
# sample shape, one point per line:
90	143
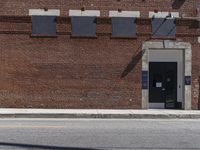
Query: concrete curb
101	114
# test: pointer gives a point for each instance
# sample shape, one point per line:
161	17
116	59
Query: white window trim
135	14
84	13
42	12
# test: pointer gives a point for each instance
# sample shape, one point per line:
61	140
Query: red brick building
127	54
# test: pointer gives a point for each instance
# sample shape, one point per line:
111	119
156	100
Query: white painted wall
171	56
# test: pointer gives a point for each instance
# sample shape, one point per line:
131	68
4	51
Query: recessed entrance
166	75
163	85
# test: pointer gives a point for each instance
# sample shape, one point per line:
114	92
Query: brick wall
20	7
66	72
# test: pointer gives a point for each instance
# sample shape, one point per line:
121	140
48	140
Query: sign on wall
144	79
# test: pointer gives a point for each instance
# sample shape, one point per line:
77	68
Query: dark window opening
44	25
162	27
123	27
84	26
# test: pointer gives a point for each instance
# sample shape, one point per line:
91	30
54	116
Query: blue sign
188	80
144	79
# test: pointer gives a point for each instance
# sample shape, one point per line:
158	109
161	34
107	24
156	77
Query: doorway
163	84
171	52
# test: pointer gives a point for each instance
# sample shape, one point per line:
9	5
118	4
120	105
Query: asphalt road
91	134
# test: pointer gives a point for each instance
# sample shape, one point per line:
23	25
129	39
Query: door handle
163	89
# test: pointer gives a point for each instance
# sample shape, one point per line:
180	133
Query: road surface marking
30	126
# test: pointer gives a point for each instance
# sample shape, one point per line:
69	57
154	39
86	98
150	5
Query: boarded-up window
44	25
83	26
123	27
162	27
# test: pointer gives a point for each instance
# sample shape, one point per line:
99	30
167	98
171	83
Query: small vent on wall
45	9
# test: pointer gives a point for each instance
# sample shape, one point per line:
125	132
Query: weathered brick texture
66	72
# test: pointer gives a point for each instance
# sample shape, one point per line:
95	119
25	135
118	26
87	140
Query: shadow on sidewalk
41	147
45	147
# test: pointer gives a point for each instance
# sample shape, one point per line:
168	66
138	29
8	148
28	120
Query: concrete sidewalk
100	113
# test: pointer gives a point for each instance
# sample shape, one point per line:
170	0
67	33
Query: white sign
158	84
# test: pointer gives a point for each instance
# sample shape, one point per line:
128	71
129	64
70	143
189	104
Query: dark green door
163	83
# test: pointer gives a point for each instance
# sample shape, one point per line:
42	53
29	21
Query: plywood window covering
44	25
84	26
123	27
162	27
